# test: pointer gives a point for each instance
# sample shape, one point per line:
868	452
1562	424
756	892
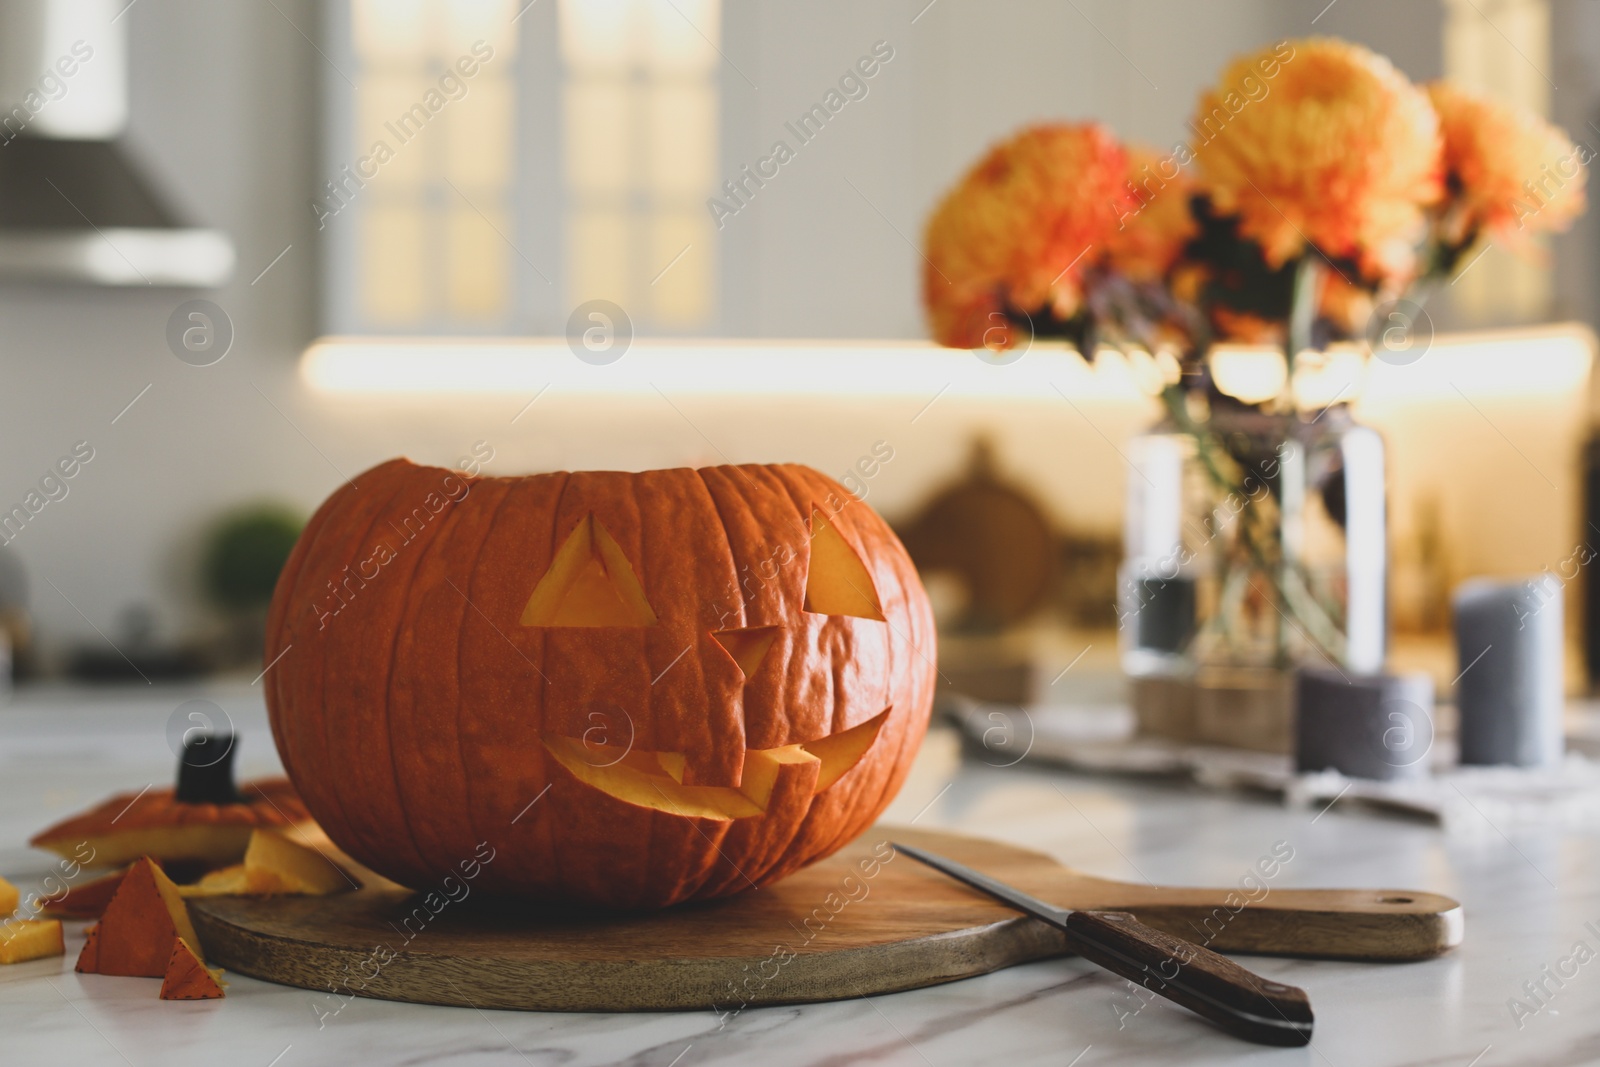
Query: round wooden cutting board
861	922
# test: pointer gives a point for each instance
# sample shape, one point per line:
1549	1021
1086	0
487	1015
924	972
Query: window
493	165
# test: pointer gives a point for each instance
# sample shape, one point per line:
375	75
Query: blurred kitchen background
351	293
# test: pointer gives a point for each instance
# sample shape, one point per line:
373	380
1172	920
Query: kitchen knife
1242	1003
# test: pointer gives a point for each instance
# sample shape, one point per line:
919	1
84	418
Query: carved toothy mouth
655	779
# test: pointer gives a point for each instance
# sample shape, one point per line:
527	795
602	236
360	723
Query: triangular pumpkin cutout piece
590	583
837	582
89	957
748	647
134	936
188	978
88	900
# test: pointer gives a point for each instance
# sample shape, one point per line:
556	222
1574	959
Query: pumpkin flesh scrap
9	897
87	900
187	976
273	864
30	939
134	936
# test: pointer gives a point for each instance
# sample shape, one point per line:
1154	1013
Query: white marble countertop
1528	891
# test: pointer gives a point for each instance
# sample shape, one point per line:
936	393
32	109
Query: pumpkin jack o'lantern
628	690
590	584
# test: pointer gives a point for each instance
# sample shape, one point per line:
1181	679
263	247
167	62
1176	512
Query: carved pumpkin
626	690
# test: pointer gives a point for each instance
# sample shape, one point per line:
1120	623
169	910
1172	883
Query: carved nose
748	646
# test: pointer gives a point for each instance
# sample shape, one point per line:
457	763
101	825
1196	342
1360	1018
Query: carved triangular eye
589	583
748	646
838	582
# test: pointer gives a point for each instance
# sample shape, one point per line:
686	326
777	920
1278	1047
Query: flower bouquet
1320	199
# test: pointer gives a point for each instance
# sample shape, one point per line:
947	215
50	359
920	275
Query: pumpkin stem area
205	770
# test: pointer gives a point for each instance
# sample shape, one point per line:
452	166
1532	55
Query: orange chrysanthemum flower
1148	242
1507	170
1333	147
1020	228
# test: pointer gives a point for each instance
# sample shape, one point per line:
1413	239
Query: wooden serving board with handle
861	922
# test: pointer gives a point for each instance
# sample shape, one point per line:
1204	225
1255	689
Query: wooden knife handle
1242	1003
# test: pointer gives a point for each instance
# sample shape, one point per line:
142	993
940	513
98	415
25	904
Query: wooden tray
829	932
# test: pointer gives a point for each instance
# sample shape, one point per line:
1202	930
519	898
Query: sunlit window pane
384	114
681	139
467	21
394	285
598	135
640	152
599	34
478	143
681	243
391	31
638	99
681	35
598	256
476	263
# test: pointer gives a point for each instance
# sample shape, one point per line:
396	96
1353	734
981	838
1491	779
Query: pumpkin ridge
381	517
803	485
909	738
283	597
356	548
659	838
727	543
708	869
744	469
753	854
466	611
733	565
723	830
411	604
544	645
430	531
801	499
430	535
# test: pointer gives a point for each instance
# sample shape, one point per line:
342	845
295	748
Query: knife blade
1212	986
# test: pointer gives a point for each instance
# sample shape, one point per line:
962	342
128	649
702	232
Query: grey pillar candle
1510	642
1363	725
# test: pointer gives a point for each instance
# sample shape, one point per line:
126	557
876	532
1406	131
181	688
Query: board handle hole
1396	900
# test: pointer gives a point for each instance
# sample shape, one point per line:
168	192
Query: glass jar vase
1255	541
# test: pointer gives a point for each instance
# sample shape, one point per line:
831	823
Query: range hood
74	205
